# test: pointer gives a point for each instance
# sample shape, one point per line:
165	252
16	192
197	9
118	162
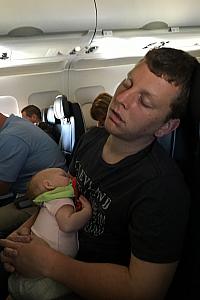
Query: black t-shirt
140	204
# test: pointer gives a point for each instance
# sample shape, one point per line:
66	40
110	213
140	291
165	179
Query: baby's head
47	180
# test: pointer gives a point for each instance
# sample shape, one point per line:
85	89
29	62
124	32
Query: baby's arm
69	220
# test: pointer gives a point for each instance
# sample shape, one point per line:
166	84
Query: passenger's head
47	180
32	113
176	67
99	108
151	100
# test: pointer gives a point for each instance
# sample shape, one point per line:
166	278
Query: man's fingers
24	231
10	249
8	243
21	238
9	268
9	252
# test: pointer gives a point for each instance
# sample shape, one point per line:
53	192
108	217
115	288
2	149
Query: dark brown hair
99	107
32	109
176	67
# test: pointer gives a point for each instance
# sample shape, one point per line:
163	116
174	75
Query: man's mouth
115	116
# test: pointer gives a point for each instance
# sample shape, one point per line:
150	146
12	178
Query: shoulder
92	137
54	205
96	134
163	183
16	127
160	164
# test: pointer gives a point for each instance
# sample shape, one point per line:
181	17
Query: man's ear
166	128
48	185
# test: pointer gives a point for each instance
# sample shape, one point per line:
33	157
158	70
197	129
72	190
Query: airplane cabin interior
52	52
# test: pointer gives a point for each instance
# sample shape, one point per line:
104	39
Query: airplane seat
193	243
71	123
9	105
186	282
44	114
168	143
49	123
89	122
176	145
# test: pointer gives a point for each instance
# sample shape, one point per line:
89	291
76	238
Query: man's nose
126	98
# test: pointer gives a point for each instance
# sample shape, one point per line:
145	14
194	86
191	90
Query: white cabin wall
23	86
106	77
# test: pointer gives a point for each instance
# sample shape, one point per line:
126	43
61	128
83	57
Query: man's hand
26	258
22	234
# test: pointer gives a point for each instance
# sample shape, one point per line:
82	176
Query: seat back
192	256
9	105
50	124
186	151
71	124
176	145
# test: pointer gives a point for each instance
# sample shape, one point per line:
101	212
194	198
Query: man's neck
116	149
2	119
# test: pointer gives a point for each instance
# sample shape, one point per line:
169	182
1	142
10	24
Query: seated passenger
131	246
99	108
24	150
32	113
57	224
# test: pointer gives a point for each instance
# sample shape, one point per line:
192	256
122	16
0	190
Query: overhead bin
42	33
78	15
130	14
47	16
106	32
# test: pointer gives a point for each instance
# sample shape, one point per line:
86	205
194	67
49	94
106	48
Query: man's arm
23	233
24	230
140	281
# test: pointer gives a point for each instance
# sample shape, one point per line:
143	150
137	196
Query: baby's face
60	178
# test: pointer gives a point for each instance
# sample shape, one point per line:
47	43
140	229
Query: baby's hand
85	205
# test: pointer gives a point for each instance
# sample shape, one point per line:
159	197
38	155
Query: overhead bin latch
107	33
4	55
91	49
174	29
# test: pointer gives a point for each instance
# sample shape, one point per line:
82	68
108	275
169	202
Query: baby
57	224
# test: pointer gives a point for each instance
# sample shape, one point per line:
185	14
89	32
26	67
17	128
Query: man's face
140	105
33	119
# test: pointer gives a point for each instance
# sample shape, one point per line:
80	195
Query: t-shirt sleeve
54	205
14	153
158	223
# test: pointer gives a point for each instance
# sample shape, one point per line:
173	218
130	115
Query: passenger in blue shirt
25	149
